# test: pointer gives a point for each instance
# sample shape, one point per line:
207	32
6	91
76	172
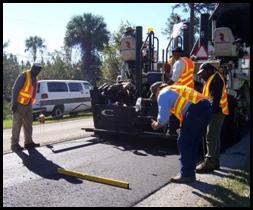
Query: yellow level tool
99	179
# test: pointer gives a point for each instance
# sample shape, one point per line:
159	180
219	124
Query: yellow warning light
150	29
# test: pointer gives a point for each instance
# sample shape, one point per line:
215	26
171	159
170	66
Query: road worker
193	111
183	69
215	90
23	96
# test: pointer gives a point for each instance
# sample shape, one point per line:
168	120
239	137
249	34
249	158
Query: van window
57	87
76	87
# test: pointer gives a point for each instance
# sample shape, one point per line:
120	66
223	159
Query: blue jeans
193	128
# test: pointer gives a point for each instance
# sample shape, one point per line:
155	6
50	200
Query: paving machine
125	108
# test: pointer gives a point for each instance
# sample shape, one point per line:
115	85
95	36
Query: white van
58	97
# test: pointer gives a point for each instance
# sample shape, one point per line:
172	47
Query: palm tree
33	43
90	34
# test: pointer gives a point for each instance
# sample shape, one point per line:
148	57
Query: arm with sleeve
19	83
216	88
178	69
165	101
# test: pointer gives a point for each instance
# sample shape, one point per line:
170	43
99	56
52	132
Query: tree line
99	50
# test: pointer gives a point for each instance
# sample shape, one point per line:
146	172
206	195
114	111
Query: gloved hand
14	108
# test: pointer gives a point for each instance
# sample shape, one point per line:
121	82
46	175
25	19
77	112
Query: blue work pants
194	125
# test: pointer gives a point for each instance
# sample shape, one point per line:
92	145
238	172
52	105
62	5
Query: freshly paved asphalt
30	178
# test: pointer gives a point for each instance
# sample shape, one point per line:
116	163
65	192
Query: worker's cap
205	67
177	49
153	89
36	68
37	65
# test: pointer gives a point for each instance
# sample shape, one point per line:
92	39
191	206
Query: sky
49	21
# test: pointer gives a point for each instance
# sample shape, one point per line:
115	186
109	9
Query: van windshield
87	86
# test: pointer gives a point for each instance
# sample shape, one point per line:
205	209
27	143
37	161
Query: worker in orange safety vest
215	89
23	96
183	69
193	110
182	74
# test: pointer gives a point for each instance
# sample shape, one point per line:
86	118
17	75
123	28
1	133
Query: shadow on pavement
143	146
91	142
43	167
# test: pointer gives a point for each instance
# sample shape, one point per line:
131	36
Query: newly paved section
30	178
187	195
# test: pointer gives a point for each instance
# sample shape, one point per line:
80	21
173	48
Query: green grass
7	123
232	191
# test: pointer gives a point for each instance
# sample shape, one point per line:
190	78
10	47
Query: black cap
37	65
153	89
205	67
36	68
177	49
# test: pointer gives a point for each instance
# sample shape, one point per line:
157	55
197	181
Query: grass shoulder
232	191
7	123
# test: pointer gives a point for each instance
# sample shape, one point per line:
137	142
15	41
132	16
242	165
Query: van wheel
57	112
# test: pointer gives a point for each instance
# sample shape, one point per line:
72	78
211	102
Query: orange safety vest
224	97
28	91
185	94
187	77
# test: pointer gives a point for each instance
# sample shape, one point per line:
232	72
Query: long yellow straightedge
99	179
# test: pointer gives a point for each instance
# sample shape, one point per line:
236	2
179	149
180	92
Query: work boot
31	145
16	148
209	165
183	179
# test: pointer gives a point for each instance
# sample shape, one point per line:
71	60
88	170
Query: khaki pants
213	135
23	116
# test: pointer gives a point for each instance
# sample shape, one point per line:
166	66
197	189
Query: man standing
193	111
215	90
23	96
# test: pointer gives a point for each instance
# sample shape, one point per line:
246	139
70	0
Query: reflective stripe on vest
26	92
185	94
224	97
187	77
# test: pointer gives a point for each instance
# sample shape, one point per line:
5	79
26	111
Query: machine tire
57	112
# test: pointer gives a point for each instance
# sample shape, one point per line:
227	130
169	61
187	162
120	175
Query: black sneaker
16	148
31	145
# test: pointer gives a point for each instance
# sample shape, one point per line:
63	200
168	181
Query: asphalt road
52	132
30	178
